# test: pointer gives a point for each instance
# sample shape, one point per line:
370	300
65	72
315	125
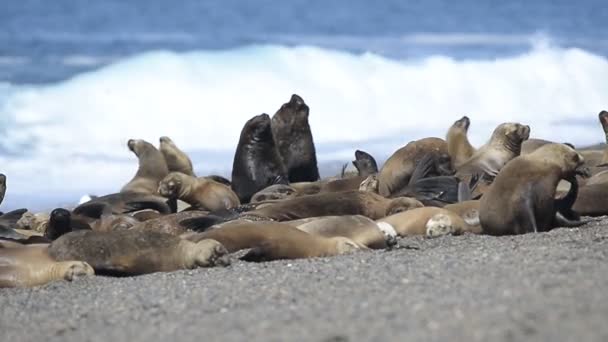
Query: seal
522	197
152	168
294	141
176	159
504	145
273	241
133	252
428	221
33	266
256	162
360	229
365	164
356	202
202	193
397	170
459	147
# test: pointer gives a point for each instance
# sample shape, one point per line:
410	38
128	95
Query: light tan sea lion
132	252
522	197
428	221
32	266
459	147
152	168
358	228
176	159
469	212
397	170
273	241
201	193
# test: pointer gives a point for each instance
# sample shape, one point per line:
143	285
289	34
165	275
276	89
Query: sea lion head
463	123
365	163
294	110
400	204
171	185
166	140
137	146
510	135
562	155
258	128
59	224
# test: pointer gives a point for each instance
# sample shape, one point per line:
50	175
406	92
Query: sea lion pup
202	193
176	159
469	212
169	224
429	221
274	192
522	197
124	202
257	163
459	147
488	160
152	168
60	223
356	202
33	266
358	228
365	164
272	241
133	252
294	141
397	170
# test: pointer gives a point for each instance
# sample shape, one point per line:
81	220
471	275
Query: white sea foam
71	136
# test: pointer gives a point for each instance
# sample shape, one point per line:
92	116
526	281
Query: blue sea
80	78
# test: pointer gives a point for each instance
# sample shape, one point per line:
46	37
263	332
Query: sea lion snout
165	140
464	122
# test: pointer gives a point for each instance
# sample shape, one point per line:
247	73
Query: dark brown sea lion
176	159
522	197
365	164
273	241
152	168
202	193
358	228
132	252
459	147
124	202
32	266
294	141
60	223
257	163
397	170
428	221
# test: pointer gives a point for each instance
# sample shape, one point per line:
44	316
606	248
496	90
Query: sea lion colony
275	206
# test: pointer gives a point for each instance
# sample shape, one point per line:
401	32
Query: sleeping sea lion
257	163
176	159
152	168
294	141
202	193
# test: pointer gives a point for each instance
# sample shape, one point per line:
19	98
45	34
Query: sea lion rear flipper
10	219
172	203
444	189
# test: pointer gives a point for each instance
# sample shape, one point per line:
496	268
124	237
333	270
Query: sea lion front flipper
10	219
564	205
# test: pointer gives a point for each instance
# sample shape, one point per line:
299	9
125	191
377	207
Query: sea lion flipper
93	209
200	224
442	188
423	168
257	254
564	205
10	219
161	207
561	220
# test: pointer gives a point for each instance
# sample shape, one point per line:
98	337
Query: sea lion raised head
459	148
152	167
294	140
59	224
365	163
177	160
510	135
257	163
202	193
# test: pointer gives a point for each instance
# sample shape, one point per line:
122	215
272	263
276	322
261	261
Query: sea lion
504	145
365	164
202	193
274	192
169	224
111	222
358	228
124	202
257	163
10	219
152	168
522	197
132	252
397	170
469	212
428	221
592	200
32	266
273	241
176	159
294	141
60	223
356	202
2	187
532	145
459	147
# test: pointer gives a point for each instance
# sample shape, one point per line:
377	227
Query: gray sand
547	286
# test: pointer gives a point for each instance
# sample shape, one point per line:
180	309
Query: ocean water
78	79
